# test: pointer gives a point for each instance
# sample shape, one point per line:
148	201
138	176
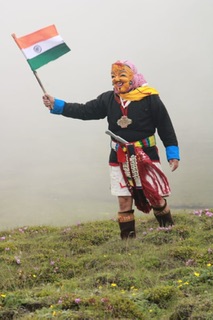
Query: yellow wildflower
113	285
196	274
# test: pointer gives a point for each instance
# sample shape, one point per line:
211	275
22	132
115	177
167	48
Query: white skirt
118	184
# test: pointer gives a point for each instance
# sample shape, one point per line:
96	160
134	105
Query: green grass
86	272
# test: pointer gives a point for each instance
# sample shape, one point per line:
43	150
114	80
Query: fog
54	170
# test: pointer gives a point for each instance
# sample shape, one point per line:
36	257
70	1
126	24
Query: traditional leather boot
163	215
126	222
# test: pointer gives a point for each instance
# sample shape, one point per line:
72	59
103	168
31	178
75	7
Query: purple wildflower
77	300
209	213
198	212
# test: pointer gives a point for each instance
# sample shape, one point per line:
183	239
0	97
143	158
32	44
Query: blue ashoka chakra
37	49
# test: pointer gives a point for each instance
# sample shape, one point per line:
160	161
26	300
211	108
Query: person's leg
162	213
161	208
126	217
125	203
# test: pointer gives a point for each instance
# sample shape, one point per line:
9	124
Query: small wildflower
3	295
77	300
208	264
52	263
179	281
209	213
18	261
113	285
2	238
7	249
123	291
34	276
186	283
196	274
198	212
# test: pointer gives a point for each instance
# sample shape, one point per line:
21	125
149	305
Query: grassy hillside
86	272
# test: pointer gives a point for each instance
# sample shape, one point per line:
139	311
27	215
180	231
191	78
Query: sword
117	138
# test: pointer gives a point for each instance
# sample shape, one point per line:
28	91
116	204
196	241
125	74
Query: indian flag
42	46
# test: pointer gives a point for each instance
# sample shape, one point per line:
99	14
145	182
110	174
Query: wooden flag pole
39	81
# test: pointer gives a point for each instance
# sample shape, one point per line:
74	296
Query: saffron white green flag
42	46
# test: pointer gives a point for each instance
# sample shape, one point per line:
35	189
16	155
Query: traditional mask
122	77
125	77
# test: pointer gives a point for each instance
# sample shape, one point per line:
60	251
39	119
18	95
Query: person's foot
163	215
126	222
127	230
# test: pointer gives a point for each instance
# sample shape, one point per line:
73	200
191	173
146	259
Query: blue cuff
58	106
172	152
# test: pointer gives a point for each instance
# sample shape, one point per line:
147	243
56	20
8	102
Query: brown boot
126	222
163	215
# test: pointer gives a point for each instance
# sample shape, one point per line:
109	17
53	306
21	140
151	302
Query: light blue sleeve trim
58	106
172	152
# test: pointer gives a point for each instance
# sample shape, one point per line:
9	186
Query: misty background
54	170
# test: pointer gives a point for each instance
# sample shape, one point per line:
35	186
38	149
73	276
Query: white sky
47	162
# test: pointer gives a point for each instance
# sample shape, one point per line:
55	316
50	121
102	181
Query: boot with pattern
126	222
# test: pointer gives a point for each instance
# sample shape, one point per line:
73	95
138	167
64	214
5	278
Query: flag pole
39	81
34	72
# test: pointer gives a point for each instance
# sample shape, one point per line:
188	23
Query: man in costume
134	113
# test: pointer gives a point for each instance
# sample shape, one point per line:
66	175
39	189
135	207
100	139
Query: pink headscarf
138	78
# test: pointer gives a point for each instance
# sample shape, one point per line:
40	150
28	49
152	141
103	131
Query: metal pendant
124	121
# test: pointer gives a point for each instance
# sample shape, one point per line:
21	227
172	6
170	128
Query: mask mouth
118	84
